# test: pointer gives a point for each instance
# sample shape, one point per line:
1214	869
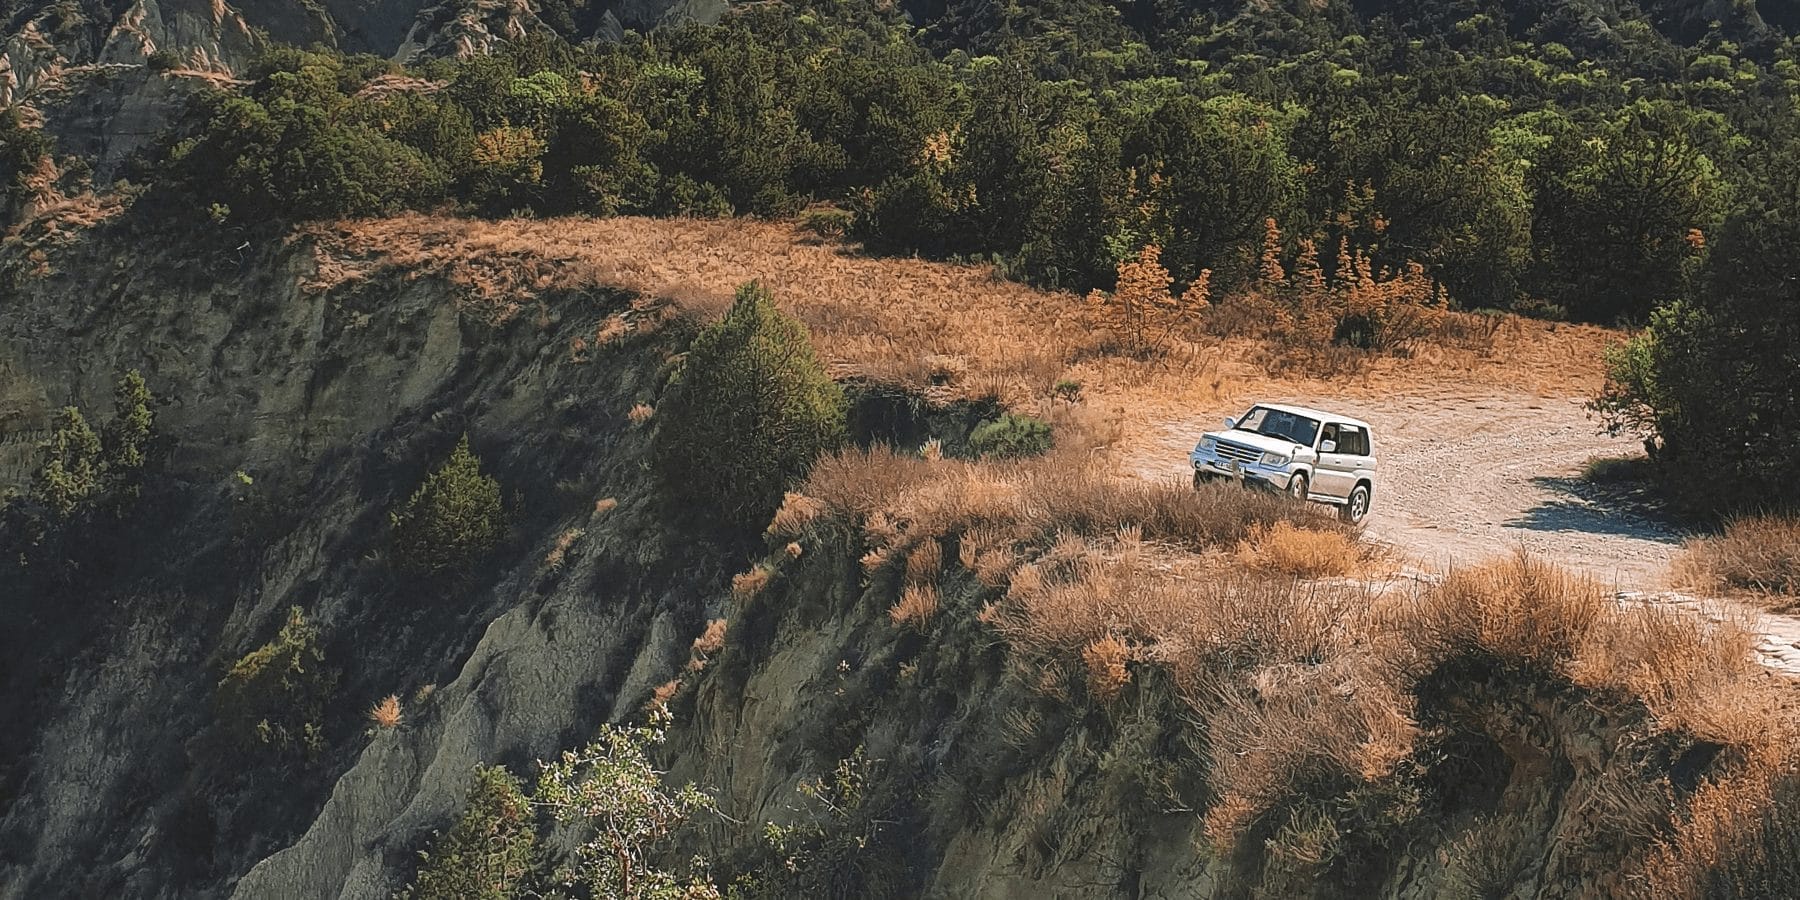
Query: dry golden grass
746	585
1738	837
899	499
795	515
712	640
917	605
386	714
1106	674
949	331
1758	555
559	553
605	505
641	413
1286	549
925	562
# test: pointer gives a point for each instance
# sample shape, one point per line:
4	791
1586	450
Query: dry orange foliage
795	515
918	604
1759	555
1301	552
947	331
746	585
386	714
1105	660
640	413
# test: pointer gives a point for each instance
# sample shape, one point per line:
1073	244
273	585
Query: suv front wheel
1355	508
1297	486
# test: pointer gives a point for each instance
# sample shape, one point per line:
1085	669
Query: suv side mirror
1230	423
1328	446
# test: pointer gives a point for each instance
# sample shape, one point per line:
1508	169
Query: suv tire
1356	508
1297	486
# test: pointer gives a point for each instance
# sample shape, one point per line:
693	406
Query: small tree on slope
747	413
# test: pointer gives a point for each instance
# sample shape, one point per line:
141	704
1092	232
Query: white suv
1312	455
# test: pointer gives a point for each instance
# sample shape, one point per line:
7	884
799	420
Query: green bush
453	519
275	695
747	412
1011	436
73	469
490	853
839	848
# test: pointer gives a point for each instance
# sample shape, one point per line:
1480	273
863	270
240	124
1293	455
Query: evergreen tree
749	410
452	520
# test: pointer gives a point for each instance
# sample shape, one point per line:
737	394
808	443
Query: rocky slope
333	394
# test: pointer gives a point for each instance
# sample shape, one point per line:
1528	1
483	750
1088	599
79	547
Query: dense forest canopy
1576	159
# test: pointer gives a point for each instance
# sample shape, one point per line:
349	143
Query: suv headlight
1207	444
1277	460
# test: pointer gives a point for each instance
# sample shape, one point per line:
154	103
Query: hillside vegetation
702	463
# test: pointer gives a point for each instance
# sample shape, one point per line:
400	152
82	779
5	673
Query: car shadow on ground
1578	505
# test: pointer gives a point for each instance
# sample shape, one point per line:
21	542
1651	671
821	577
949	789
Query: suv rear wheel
1355	508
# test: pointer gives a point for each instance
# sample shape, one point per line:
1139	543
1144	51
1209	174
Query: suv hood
1261	442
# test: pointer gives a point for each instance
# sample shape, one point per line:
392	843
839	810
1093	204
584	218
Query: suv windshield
1285	425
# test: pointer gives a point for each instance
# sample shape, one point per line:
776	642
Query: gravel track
1466	474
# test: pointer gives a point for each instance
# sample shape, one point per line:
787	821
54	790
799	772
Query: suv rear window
1352	440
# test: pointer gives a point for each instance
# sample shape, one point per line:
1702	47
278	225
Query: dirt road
1467	473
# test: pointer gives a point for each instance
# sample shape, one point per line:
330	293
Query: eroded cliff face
299	414
991	784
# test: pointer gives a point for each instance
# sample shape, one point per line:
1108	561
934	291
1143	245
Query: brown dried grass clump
925	562
746	585
1287	549
641	413
712	640
1106	674
605	505
900	498
1759	555
560	551
917	605
796	514
662	694
1738	837
386	714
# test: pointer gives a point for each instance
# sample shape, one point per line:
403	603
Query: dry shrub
900	498
746	585
641	413
1301	552
1758	554
712	640
605	505
796	513
386	714
1739	836
793	550
1520	610
917	605
662	694
424	693
1691	672
1105	660
925	562
559	553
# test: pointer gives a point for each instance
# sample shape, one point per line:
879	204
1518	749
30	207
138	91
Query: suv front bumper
1207	467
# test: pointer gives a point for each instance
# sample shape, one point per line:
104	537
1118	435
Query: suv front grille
1238	452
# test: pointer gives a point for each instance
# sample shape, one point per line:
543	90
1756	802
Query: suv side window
1330	433
1353	441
